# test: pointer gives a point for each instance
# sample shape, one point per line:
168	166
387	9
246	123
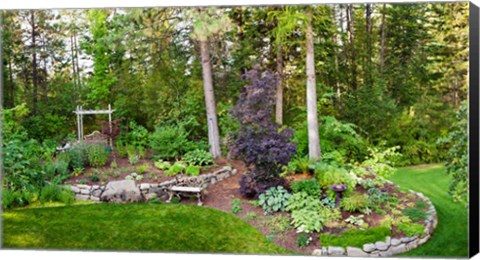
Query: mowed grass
133	227
450	238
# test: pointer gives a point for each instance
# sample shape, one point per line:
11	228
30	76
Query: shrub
302	240
259	141
299	165
354	202
329	174
21	166
309	186
355	237
77	156
192	170
137	136
274	199
12	199
162	165
56	171
97	155
336	137
457	159
143	168
54	193
257	182
198	157
302	200
310	220
176	168
169	142
380	161
308	212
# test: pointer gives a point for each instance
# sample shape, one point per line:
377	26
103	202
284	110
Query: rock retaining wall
389	247
94	192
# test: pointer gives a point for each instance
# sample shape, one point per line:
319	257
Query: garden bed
277	226
122	168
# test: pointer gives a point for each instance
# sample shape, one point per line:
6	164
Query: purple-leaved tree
259	142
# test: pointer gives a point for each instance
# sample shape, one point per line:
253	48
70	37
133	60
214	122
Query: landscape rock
144	186
96	199
82	197
317	252
324	251
122	191
335	250
382	246
97	193
395	241
85	192
84	186
401	248
423	240
369	247
356	252
407	239
411	245
75	189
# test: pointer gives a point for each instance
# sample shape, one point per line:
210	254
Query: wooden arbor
80	112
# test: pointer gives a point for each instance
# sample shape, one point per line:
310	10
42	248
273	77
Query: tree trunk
368	24
213	133
11	83
351	31
34	63
382	41
312	118
337	74
279	90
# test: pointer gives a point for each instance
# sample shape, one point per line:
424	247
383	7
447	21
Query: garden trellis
80	113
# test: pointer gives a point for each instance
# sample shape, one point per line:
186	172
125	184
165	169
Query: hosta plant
274	199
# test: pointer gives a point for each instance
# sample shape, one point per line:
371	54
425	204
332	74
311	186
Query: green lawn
133	227
450	238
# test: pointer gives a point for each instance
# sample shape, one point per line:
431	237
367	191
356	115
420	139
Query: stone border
94	192
391	246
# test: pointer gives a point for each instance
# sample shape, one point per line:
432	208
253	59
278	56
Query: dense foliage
259	141
391	75
457	163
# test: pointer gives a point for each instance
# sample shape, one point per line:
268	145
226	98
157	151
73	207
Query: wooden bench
185	191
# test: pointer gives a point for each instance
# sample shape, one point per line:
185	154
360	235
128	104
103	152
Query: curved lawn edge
134	227
451	235
390	246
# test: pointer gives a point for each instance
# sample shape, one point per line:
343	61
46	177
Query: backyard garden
213	143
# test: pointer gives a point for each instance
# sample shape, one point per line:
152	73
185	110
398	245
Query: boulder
122	191
369	247
82	197
356	252
398	249
97	193
395	241
335	250
382	246
74	189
